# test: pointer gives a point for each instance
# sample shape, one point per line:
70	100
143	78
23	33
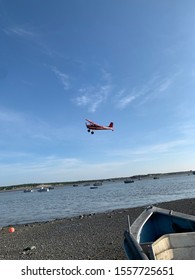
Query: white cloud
64	78
93	96
46	169
82	100
156	88
164	85
126	100
143	93
27	32
156	149
19	31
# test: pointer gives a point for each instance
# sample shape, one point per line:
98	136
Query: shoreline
93	236
21	187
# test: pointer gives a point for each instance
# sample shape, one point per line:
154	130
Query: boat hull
128	181
153	224
43	190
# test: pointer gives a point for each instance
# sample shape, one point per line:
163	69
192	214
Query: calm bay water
18	207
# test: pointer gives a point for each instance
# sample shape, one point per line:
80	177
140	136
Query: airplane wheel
88	130
92	132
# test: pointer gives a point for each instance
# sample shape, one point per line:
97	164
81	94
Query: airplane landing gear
92	132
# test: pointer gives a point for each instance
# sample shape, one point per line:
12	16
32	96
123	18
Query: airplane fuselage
94	127
91	126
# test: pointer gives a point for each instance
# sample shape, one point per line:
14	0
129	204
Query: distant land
81	182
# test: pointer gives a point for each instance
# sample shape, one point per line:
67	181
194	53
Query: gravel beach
93	237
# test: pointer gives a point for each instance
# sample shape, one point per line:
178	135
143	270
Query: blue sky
129	61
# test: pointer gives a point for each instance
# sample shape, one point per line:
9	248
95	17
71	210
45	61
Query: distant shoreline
22	187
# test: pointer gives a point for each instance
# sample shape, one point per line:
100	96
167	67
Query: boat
28	190
97	184
128	181
160	234
93	187
42	189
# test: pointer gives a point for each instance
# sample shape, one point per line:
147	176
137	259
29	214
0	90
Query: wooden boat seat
175	246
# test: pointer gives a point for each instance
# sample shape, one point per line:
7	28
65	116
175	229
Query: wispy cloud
93	96
171	141
13	155
29	33
143	93
156	88
124	99
20	31
63	78
166	147
39	168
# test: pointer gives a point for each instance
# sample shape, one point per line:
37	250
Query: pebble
27	249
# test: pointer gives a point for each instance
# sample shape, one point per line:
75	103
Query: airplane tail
111	125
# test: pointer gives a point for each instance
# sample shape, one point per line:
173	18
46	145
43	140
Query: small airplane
91	126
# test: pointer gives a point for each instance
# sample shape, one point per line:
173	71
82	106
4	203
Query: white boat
42	189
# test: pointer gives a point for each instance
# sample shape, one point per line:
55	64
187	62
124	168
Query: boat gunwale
135	230
141	220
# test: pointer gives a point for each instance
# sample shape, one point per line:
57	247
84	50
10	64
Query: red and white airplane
91	126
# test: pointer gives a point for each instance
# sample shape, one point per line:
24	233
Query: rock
28	249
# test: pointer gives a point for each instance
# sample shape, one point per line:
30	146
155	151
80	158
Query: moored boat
28	190
42	189
128	181
161	234
97	184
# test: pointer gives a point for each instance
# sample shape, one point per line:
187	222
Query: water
18	207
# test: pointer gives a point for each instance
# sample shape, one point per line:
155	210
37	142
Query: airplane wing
91	122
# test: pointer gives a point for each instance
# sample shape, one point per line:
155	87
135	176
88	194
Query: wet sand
94	236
